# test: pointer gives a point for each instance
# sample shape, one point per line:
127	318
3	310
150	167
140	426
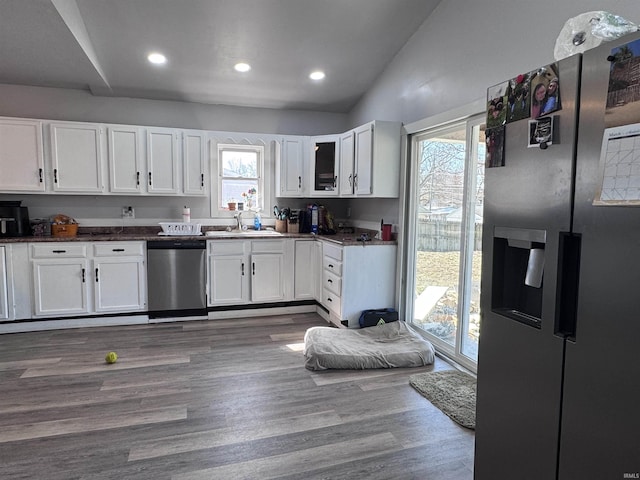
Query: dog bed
390	345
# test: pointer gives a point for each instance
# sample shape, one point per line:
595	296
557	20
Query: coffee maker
14	220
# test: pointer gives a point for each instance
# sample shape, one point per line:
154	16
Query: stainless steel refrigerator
559	349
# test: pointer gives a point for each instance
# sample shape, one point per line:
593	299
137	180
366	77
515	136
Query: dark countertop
114	234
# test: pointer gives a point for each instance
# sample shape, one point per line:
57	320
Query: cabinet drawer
111	249
332	282
332	251
332	265
332	301
58	250
218	247
267	246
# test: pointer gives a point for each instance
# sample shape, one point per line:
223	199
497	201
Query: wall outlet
128	212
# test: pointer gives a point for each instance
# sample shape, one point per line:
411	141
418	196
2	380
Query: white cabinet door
126	174
305	270
4	291
347	152
325	156
228	276
119	284
60	287
162	161
228	272
194	158
76	155
21	157
290	176
363	159
267	277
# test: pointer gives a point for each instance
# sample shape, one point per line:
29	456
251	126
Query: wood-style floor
219	399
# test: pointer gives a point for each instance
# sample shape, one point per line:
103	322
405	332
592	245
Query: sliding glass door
447	172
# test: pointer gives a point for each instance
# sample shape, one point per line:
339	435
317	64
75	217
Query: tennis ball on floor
111	357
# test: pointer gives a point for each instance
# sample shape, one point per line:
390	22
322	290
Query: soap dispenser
257	223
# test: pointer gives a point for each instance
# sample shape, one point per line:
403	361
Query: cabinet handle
329	299
83	273
55	175
59	251
117	250
40	174
253	268
149	178
351	180
97	276
299	181
355	181
137	178
243	269
329	280
202	179
330	265
335	181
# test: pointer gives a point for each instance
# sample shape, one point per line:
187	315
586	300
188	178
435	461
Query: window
240	178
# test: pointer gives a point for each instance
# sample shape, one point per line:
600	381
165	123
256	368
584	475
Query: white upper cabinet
126	174
77	157
370	161
163	161
194	158
347	157
21	156
290	167
325	155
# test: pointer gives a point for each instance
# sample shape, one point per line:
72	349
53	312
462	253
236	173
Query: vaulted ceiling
102	46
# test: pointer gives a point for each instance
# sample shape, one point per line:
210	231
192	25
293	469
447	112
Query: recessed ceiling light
157	58
242	67
317	75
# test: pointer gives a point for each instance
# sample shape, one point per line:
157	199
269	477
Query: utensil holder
281	226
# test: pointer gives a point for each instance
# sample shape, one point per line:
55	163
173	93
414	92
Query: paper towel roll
186	215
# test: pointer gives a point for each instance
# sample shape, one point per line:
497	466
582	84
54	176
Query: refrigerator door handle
567	287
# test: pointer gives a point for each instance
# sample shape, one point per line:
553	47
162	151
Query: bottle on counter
257	221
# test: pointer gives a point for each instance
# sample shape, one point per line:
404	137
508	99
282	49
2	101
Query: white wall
466	46
81	106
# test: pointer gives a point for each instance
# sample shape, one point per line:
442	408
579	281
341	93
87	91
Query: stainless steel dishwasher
176	278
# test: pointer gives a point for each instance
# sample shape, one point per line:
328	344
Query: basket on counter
64	229
176	228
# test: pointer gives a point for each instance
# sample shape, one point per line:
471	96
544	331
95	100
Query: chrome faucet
238	217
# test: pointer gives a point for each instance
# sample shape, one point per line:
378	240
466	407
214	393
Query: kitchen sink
243	233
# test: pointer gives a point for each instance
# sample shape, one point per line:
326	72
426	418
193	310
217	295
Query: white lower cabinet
80	278
246	271
356	278
119	277
4	290
307	269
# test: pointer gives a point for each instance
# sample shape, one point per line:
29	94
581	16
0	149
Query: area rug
452	391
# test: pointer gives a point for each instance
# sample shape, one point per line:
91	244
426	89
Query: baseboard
59	324
259	312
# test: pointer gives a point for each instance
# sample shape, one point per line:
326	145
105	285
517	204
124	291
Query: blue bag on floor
370	318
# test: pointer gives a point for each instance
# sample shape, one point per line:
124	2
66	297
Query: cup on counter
386	232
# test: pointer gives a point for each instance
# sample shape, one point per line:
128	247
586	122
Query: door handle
83	276
243	269
253	268
149	178
202	179
137	178
55	175
40	174
97	276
